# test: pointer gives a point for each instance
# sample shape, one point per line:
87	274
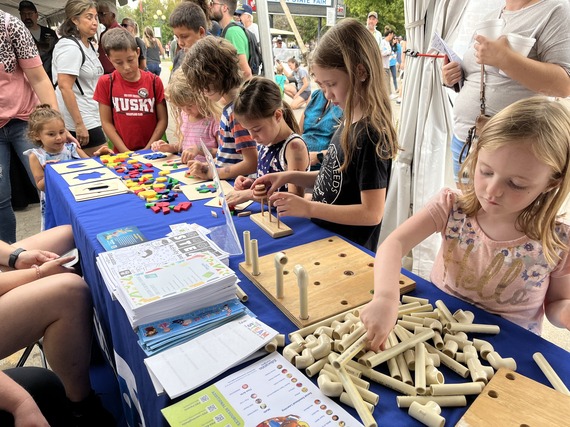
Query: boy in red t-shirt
131	101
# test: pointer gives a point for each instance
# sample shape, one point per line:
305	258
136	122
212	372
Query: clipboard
98	189
88	176
75	166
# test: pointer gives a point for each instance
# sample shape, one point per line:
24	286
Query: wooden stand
270	225
340	276
511	399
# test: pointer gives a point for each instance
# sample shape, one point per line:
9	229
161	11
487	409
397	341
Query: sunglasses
125	25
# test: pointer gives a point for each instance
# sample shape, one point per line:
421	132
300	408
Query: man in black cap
45	37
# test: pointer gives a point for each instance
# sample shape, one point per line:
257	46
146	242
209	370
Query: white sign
331	16
157	32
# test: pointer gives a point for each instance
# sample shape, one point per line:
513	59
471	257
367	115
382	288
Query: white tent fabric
425	126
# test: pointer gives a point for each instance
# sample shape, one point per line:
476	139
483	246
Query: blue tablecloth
140	400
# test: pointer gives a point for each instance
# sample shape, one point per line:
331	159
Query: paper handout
189	365
438	44
270	392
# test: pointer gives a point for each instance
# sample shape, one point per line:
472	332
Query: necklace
323	112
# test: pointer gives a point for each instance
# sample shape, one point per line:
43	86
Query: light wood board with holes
511	399
340	278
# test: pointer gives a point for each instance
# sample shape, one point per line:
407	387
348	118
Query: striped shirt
233	138
205	130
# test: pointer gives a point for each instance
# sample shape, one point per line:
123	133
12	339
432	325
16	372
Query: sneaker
399	101
90	412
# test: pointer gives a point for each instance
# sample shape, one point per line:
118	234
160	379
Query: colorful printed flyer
269	393
121	237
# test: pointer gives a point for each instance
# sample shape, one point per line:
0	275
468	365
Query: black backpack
82	61
255	60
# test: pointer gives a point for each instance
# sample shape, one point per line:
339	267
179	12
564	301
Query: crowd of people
333	167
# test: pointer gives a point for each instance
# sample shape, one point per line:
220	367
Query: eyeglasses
213	3
103	13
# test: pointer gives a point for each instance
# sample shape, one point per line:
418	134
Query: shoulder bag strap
482	91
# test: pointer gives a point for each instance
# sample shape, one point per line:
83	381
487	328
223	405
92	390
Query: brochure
121	237
187	366
160	335
271	392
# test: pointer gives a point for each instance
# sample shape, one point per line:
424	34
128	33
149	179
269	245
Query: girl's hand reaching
160	145
198	169
272	181
103	151
237	197
288	204
242	183
379	317
190	154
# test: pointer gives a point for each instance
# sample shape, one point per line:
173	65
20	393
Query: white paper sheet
189	365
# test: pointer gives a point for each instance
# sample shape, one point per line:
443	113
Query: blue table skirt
139	398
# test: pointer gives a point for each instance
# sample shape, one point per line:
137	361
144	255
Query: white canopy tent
425	126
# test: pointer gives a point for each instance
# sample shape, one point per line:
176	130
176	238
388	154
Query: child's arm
274	181
37	171
247	166
557	301
165	147
243	183
99	152
161	124
379	315
369	212
297	156
103	150
106	114
241	192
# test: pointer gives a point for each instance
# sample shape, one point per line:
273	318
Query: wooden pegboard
341	277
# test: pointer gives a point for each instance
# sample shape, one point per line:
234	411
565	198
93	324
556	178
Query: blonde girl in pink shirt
505	247
197	119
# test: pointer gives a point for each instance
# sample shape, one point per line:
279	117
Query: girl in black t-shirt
350	188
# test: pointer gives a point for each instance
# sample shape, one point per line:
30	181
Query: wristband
320	157
38	272
14	257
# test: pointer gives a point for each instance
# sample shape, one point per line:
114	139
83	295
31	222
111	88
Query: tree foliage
308	26
147	18
390	12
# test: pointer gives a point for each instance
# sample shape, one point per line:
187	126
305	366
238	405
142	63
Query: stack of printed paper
146	256
181	369
270	392
201	280
158	336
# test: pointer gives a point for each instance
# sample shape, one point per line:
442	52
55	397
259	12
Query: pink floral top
509	278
